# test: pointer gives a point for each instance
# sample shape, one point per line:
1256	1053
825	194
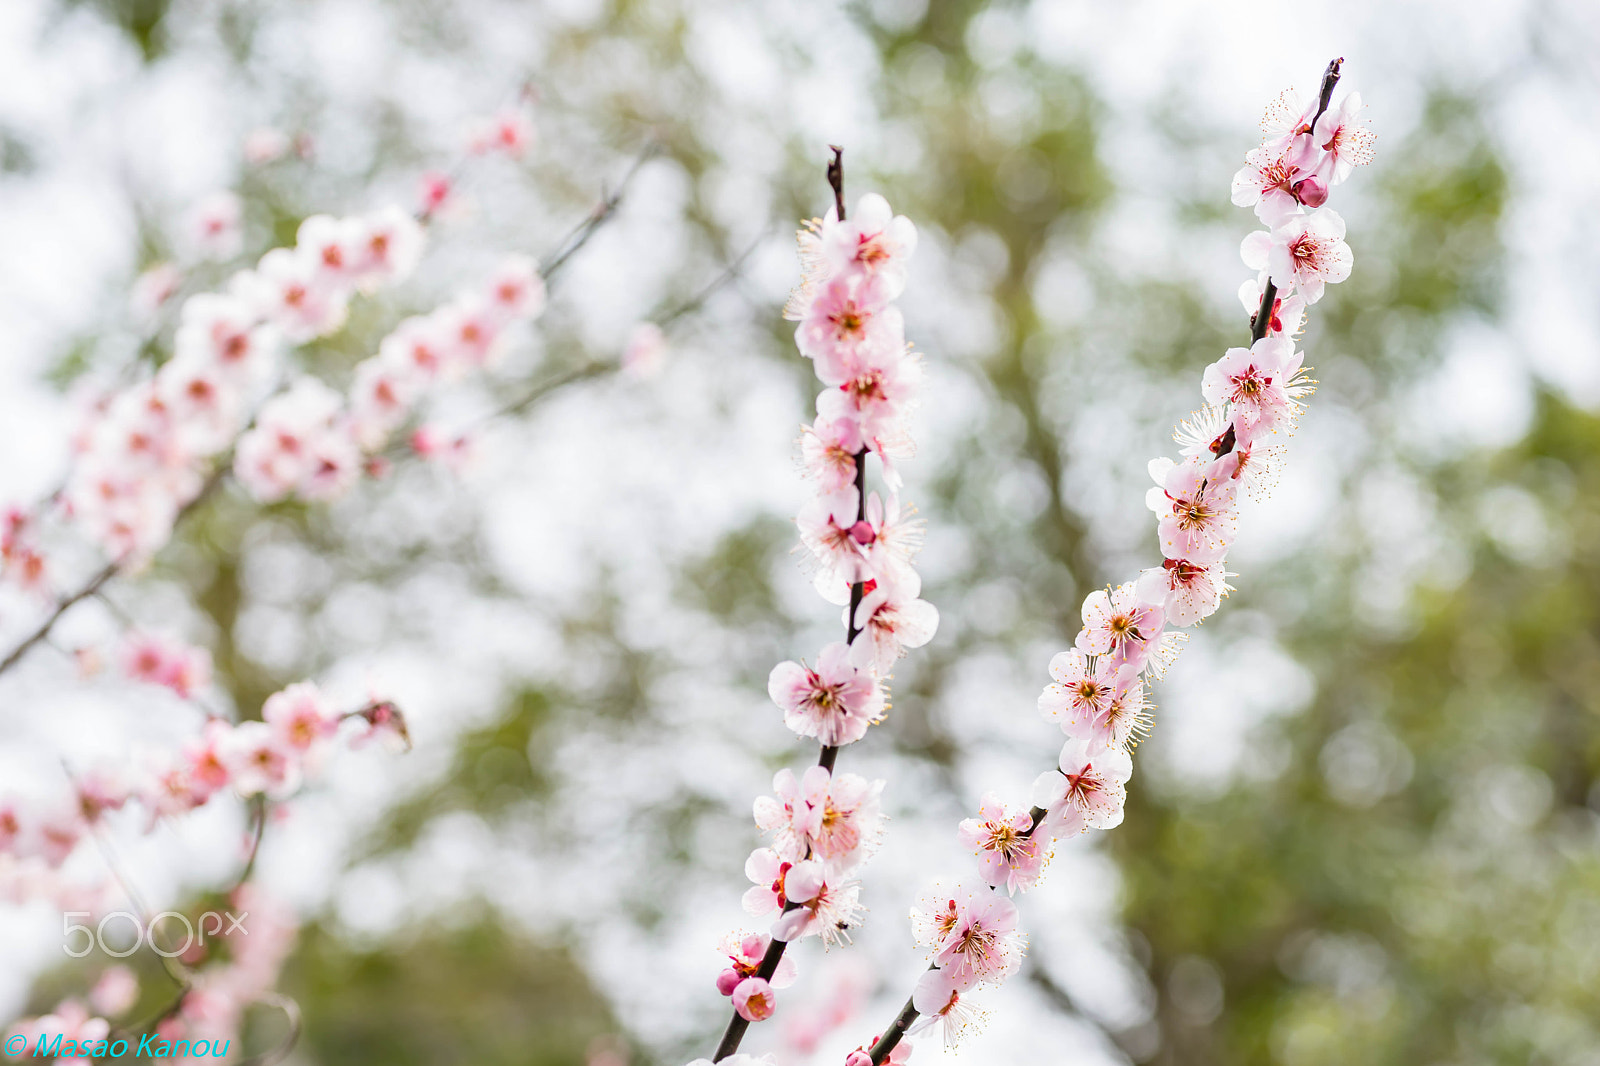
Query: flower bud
1311	191
863	533
728	980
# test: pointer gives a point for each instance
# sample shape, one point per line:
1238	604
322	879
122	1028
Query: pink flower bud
863	532
858	1058
728	980
754	1000
1311	191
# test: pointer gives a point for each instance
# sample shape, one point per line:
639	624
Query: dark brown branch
579	235
836	179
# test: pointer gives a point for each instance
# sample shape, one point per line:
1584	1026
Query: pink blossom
1266	181
938	998
1082	692
116	991
1252	382
206	758
981	943
1197	518
874	242
827	528
387	247
646	348
258	762
1007	852
151	290
159	660
223	330
828	451
828	908
515	290
265	145
833	817
300	717
891	536
1092	780
1304	253
295	443
1187	591
214	231
850	320
510	131
891	618
206	406
1117	624
745	954
471	328
435	192
882	385
754	1000
1344	135
381	398
418	350
288	288
766	870
835	702
1287	314
336	248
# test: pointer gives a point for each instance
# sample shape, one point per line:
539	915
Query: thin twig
579	235
291	1010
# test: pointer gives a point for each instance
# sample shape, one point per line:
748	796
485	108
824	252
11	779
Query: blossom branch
1253	395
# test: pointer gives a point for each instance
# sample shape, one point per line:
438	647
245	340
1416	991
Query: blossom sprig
1254	397
271	759
824	824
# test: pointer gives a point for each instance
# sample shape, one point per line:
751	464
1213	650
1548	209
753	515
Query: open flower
836	701
1007	852
1305	253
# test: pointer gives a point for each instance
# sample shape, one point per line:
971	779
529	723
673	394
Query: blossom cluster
823	824
1253	398
310	441
143	450
270	758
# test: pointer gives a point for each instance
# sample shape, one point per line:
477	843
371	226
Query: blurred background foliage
1403	869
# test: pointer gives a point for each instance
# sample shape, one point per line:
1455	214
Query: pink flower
258	762
1286	316
745	954
981	943
1197	517
289	289
336	248
834	818
891	618
647	347
939	1003
471	328
828	450
388	245
213	224
1187	591
1252	382
381	397
510	131
265	145
767	871
876	395
1092	781
850	320
300	717
1266	181
1344	135
159	660
828	908
516	290
1304	253
891	535
151	290
827	528
874	242
223	330
434	193
1007	852
1083	696
754	1000
835	702
418	350
296	444
116	991
1118	625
